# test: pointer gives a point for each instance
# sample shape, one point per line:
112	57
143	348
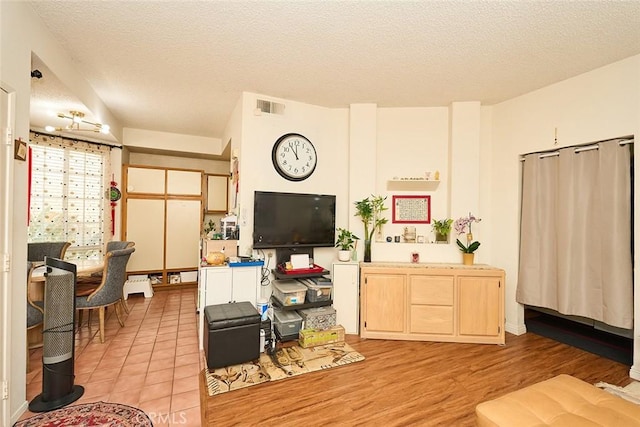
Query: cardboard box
314	337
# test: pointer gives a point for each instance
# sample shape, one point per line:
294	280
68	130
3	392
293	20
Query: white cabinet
346	295
217	193
221	285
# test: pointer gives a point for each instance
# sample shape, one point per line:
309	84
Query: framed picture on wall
411	210
20	150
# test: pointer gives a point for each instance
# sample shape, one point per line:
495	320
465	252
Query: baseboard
515	329
21	410
634	372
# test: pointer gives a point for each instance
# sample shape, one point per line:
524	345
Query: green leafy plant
463	226
442	226
370	212
346	240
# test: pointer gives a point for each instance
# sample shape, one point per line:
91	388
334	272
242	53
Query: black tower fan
58	389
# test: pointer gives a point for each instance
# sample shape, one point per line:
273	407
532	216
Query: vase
467	259
367	251
442	237
344	255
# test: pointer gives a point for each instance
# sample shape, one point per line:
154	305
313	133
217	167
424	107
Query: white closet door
183	233
145	227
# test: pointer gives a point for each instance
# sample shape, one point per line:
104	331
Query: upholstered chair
38	250
35	311
109	291
88	284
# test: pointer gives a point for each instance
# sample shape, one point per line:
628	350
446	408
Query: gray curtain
575	233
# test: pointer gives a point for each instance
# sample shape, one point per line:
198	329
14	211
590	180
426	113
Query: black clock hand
295	150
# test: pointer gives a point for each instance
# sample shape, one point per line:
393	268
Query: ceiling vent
269	107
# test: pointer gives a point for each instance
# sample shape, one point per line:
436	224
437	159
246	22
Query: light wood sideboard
432	302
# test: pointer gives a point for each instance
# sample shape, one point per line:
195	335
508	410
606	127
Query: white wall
208	166
601	104
326	128
141	138
21	33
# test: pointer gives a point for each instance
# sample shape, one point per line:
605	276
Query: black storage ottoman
233	334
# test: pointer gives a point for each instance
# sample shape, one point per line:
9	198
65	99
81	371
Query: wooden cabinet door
145	227
183	233
383	303
480	306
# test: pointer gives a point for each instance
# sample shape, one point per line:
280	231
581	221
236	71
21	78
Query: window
67	194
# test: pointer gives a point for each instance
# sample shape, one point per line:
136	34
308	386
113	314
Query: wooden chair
109	291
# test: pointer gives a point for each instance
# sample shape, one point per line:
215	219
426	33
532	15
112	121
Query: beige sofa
559	401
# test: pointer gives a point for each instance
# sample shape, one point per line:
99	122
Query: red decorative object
114	196
316	269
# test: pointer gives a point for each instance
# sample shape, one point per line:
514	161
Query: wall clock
294	157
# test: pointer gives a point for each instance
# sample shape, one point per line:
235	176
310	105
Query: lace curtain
68	197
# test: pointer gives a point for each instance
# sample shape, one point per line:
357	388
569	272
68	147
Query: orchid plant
463	226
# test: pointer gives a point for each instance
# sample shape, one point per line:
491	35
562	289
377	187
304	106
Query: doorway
7	109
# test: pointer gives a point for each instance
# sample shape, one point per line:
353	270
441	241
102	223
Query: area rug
90	414
286	362
630	392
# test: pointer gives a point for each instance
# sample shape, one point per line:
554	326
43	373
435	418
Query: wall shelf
412	184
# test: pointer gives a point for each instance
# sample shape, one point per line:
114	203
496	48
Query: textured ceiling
180	67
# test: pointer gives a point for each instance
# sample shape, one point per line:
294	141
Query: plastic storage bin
289	292
318	291
287	323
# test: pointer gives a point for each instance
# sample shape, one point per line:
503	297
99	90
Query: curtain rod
579	148
76	139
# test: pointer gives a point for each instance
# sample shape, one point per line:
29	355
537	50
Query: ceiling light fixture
77	120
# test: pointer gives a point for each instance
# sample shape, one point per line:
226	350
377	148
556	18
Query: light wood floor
408	383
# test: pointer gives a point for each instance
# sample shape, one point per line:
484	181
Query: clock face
294	157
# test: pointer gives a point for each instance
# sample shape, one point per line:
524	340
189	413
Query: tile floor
151	363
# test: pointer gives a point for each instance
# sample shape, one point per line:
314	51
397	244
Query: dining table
84	267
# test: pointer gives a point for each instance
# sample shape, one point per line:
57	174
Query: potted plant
346	241
463	226
442	228
209	229
370	212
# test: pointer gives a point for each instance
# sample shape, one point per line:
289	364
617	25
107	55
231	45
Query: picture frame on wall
20	150
411	210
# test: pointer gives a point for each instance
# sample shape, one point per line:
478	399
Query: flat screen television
283	220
